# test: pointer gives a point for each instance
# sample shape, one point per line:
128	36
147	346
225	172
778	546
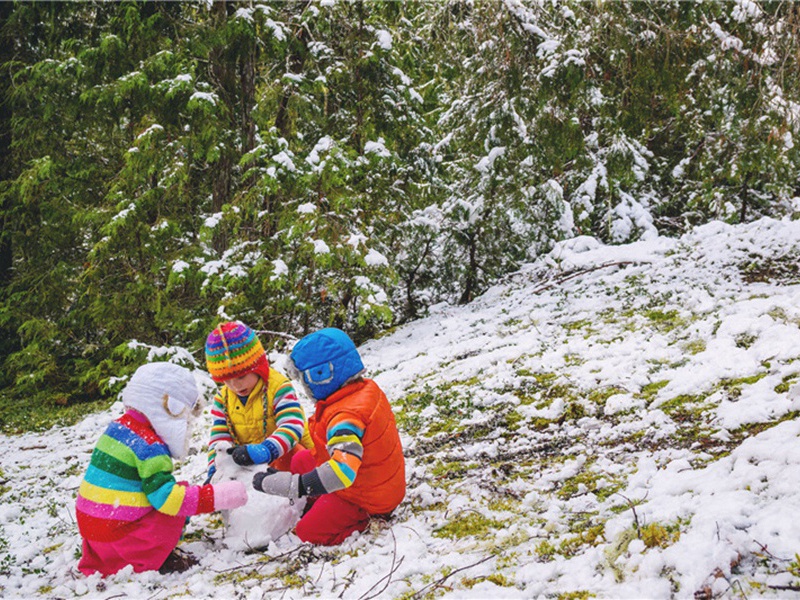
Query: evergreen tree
301	164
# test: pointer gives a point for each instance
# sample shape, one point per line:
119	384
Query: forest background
299	164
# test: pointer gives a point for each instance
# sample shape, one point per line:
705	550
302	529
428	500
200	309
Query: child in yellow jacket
256	410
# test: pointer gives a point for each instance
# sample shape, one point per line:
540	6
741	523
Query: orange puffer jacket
380	484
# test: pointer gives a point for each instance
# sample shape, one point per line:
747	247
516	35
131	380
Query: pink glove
229	494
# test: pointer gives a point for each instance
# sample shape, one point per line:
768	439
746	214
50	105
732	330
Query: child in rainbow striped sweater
130	509
256	409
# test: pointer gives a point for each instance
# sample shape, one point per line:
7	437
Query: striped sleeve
154	468
290	421
344	435
219	429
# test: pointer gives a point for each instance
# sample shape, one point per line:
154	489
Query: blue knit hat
326	359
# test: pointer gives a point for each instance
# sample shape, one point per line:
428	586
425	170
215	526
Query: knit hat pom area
234	350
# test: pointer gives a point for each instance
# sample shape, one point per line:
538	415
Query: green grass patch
545	551
590	537
466	524
650	390
694	346
587	482
452	470
576	595
656	535
786	383
512	420
495	578
21	417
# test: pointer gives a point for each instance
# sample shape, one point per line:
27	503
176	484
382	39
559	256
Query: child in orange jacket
356	469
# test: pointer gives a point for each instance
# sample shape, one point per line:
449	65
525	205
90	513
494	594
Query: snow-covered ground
616	422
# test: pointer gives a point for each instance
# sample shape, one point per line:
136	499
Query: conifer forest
309	163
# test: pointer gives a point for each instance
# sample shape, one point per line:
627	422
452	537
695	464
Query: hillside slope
610	422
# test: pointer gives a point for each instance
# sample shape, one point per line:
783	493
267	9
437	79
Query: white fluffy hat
165	393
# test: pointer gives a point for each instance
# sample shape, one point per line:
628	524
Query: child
256	410
357	468
130	509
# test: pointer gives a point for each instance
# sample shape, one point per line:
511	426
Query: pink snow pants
146	548
330	519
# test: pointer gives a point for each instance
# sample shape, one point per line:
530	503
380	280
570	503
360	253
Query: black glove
240	456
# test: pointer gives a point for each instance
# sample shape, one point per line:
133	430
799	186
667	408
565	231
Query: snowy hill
613	422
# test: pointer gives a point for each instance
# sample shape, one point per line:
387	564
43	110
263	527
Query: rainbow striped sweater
129	476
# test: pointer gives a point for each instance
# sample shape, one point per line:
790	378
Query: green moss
733	387
665	321
503	503
471	382
437	507
453	403
509	560
655	535
241	576
452	470
572	412
467	524
679	402
512	420
496	578
541	424
658	316
576	595
616	549
573	360
450	425
409	421
586	482
695	346
590	537
751	429
786	383
74	469
745	340
52	548
542	389
650	390
545	551
599	396
580	324
509	323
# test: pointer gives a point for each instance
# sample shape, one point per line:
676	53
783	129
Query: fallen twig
635	516
255	563
770	554
441	580
792	588
287	336
388	577
579	272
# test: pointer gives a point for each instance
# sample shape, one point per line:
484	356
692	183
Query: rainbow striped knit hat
234	350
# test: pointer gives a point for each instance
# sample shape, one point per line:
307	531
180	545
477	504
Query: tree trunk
6	168
223	75
472	271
